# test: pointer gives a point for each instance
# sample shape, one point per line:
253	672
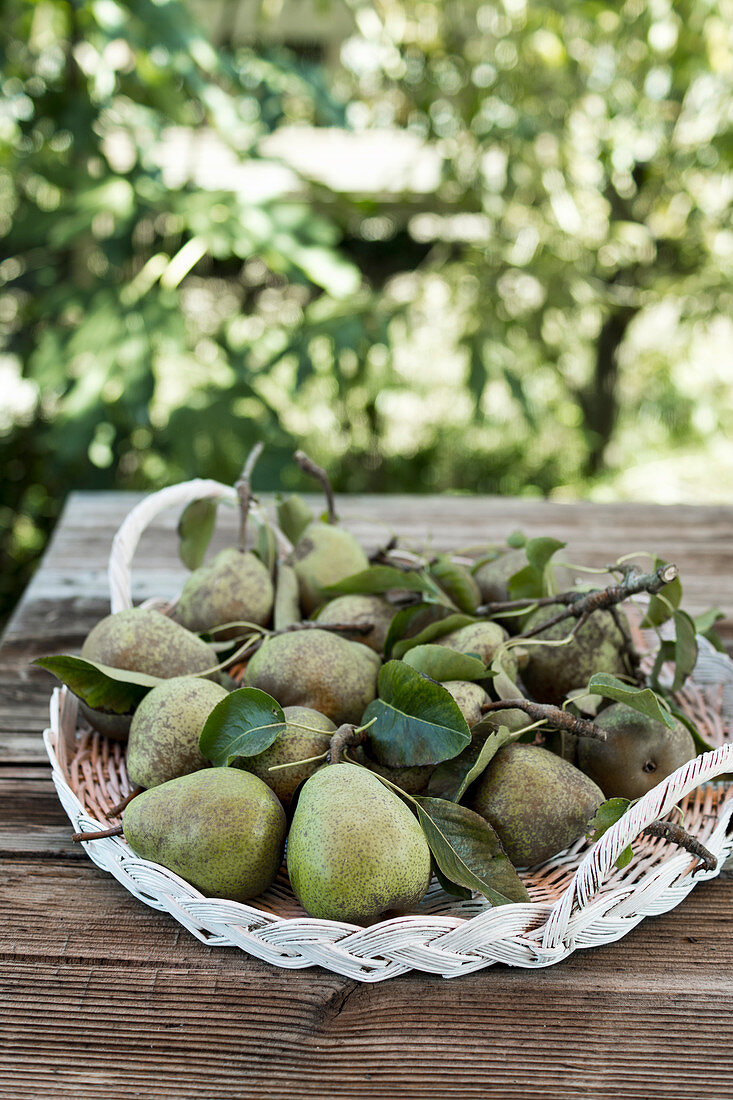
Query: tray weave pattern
578	899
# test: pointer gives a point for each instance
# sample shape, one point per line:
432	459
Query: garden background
443	246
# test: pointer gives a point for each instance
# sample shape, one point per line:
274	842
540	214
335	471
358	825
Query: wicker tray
579	899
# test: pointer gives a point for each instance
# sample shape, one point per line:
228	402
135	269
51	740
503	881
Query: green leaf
517	540
451	887
642	699
685	648
438	628
489	749
441	663
533	580
293	516
659	611
244	724
287	598
625	858
700	743
100	686
468	851
378	579
705	623
195	528
457	583
503	685
417	720
607	814
265	544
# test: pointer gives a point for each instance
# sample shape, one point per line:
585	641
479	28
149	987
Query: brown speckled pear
147	641
361	609
481	638
537	802
232	587
307	733
323	555
221	829
165	730
638	752
312	668
469	697
354	849
553	671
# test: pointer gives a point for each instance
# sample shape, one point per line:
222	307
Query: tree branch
555	717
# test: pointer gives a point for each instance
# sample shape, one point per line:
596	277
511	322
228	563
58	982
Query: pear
361	609
553	671
412	779
492	577
312	668
537	802
147	641
221	829
354	849
323	555
469	697
637	754
307	733
233	586
165	730
482	638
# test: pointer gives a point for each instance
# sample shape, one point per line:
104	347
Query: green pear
470	698
354	849
323	555
482	638
307	733
361	609
165	730
232	587
637	754
312	668
221	829
147	641
537	803
553	671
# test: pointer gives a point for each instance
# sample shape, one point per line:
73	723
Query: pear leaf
245	723
414	720
456	582
265	544
434	628
451	887
468	851
685	648
489	749
101	687
659	610
378	579
441	663
534	579
293	516
607	814
644	700
287	600
705	625
503	685
195	528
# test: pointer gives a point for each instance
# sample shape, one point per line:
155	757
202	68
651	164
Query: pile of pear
355	851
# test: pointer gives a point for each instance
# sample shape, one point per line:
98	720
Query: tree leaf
436	629
532	581
644	700
489	749
468	851
287	599
451	887
378	579
659	611
195	528
685	648
503	685
293	516
457	583
265	544
244	724
100	686
607	814
441	663
417	720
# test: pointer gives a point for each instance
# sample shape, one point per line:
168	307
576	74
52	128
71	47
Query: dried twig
244	491
669	830
555	717
308	466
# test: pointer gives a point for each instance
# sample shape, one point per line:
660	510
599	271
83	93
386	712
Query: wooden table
105	998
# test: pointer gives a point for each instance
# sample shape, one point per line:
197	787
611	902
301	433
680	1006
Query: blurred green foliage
471	339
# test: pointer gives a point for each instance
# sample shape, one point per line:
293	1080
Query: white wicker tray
579	899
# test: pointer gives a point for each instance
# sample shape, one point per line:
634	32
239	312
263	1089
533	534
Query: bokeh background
444	246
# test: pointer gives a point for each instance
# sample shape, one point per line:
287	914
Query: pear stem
244	491
669	830
308	466
345	737
116	831
554	717
125	802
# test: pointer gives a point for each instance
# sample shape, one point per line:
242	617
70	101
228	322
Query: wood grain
102	997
